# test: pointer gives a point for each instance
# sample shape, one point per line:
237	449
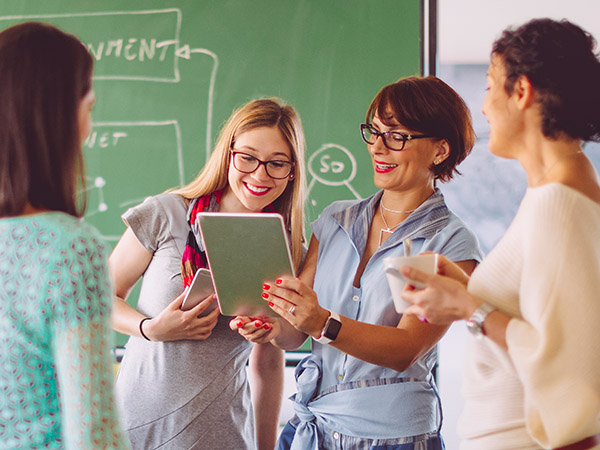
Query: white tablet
244	251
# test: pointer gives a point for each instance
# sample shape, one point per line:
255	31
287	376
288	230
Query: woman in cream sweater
533	374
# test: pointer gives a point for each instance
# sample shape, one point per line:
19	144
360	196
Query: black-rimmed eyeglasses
393	140
277	169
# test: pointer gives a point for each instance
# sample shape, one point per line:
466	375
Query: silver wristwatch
475	322
331	329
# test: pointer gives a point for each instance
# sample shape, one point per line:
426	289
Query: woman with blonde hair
182	382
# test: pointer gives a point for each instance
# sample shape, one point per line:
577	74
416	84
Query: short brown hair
428	105
44	75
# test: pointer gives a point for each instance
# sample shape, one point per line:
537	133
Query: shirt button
340	377
356	298
336	435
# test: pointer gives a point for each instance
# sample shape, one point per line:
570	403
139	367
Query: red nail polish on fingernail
239	323
257	323
271	304
267	326
279	281
266	287
265	295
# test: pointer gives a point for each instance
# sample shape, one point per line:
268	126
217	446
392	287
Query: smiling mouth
382	166
256	189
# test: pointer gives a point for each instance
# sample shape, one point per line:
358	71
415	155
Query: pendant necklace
560	158
388	230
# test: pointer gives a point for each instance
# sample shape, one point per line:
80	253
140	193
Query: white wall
467	28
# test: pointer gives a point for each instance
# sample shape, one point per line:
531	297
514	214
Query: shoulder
338	213
156	211
457	240
558	210
72	234
159	204
157	220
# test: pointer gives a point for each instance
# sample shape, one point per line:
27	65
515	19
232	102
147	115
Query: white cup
425	263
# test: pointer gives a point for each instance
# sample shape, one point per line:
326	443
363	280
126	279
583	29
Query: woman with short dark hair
368	382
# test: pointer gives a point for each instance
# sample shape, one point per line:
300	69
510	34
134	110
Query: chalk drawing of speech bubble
332	165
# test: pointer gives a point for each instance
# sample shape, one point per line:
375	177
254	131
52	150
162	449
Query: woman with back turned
56	378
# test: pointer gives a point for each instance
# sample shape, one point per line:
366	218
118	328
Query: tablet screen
244	251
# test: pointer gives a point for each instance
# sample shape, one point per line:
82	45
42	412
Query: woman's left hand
297	303
443	301
259	330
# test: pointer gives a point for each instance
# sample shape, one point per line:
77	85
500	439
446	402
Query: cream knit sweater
545	273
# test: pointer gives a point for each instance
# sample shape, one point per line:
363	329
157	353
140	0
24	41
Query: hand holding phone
200	288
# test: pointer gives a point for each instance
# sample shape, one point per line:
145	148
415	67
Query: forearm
266	377
124	318
495	326
289	338
394	347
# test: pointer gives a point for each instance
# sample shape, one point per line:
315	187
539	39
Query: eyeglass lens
394	141
275	169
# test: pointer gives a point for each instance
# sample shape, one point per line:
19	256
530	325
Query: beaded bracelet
142	331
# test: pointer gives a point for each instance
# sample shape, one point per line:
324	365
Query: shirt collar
431	216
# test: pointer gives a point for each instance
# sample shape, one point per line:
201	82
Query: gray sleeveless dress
182	394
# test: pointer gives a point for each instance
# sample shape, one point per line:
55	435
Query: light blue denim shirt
342	230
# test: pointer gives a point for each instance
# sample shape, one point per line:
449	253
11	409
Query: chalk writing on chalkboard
150	53
332	165
167	77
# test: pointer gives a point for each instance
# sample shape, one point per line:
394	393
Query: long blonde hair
268	112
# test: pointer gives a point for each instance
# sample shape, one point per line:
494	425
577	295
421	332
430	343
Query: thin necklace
560	158
387	229
394	211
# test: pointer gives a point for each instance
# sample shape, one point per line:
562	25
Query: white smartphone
200	288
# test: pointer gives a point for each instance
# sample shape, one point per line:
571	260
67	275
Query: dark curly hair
560	61
429	106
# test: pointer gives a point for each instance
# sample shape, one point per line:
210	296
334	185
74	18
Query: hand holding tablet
244	250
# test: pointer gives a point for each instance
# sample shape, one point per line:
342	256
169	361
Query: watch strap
331	329
475	322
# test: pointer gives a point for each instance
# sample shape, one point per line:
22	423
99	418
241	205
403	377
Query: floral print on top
56	378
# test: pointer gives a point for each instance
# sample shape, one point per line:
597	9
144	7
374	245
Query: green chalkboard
169	73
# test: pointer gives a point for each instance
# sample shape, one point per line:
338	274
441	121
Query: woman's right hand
173	324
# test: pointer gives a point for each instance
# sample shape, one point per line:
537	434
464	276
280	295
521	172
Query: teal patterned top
56	378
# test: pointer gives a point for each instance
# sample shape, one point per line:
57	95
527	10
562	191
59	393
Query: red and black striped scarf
193	258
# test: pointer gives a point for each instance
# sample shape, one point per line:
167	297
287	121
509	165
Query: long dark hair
44	75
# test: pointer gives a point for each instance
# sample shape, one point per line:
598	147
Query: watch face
474	328
333	328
